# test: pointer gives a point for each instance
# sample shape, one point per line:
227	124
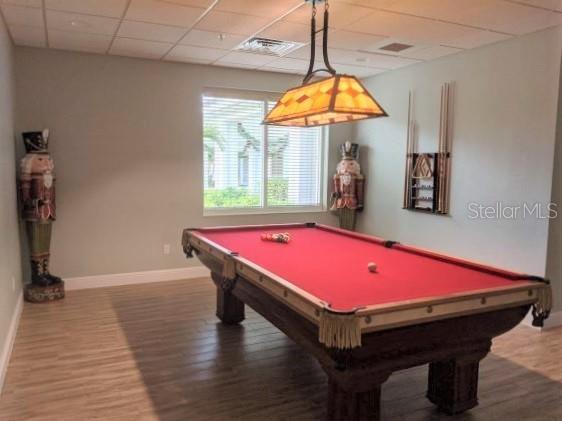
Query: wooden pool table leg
359	401
453	383
230	310
353	406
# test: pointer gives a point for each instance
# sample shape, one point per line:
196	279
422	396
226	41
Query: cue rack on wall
426	185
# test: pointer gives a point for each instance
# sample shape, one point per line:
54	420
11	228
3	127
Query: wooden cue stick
443	151
412	128
445	148
439	154
448	157
407	187
412	147
446	125
410	143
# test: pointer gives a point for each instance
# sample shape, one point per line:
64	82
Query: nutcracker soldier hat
36	142
349	150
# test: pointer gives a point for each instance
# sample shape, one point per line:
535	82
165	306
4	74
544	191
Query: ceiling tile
266	9
513	18
347	40
75	22
199	54
164	12
304	53
222	41
235	65
93	43
342	15
383	61
287	63
284	67
279	70
234	23
16	15
359	71
138	48
247	58
376	47
434	9
431	53
503	16
27	3
192	3
367	59
108	8
354	40
409	28
30	36
150	31
545	4
476	38
287	31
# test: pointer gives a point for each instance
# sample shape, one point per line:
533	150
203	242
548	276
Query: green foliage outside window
230	197
239	197
277	192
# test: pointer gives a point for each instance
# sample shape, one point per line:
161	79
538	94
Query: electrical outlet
13	283
166	249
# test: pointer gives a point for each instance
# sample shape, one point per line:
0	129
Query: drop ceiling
208	31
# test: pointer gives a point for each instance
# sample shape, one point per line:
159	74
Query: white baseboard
10	339
99	281
554	320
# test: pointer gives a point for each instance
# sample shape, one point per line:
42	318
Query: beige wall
554	257
126	139
503	143
10	265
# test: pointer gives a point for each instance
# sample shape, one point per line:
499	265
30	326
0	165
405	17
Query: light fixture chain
329	67
312	43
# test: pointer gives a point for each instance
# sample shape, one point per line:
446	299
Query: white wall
126	140
505	111
10	265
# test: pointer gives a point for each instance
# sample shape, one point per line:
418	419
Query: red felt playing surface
333	267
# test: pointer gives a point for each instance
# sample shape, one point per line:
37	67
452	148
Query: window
243	168
250	167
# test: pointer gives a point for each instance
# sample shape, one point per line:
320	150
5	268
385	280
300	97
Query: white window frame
265	209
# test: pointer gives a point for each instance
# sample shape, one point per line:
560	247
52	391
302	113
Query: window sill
262	211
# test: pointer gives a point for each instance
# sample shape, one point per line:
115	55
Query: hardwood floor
157	352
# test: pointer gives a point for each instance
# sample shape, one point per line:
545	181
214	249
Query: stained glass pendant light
335	99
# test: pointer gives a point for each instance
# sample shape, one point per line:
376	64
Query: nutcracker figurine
37	194
348	186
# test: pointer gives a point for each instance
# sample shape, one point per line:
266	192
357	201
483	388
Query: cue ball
372	267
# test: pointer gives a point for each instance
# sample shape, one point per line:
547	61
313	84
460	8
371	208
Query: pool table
417	307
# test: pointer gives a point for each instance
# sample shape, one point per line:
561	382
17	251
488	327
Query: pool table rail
427	309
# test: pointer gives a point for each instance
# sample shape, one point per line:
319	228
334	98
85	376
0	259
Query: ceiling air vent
395	47
270	47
